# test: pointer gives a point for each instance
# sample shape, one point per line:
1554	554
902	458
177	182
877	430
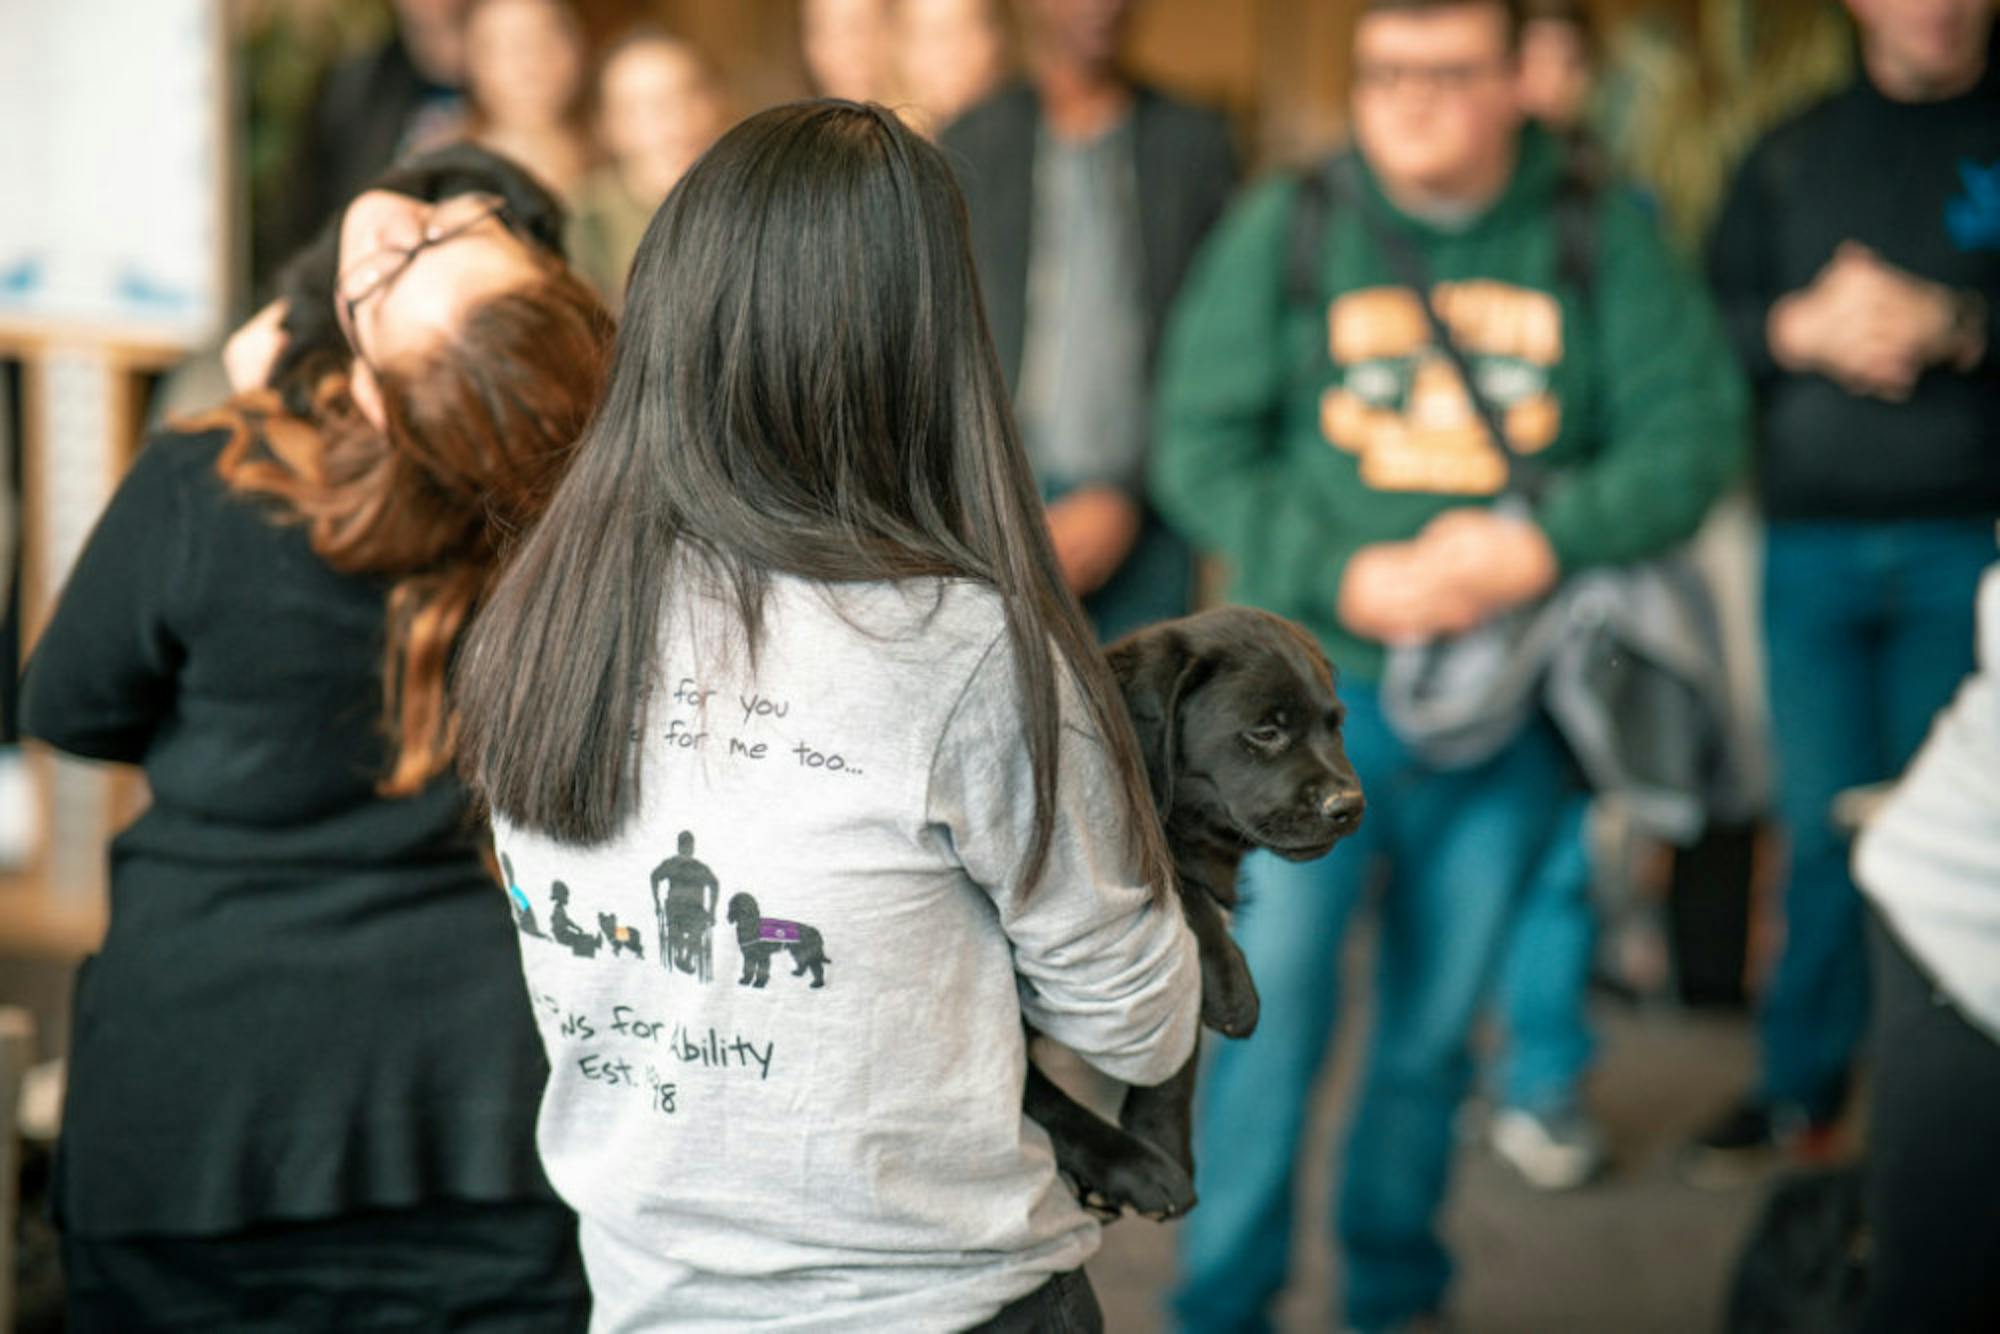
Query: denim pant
1459	847
1544	988
1868	630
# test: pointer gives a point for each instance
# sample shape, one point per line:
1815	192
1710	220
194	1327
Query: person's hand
1837	327
1498	560
1093	529
1865	324
1398	593
252	350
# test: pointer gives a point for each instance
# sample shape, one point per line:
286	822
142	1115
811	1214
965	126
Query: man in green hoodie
1329	449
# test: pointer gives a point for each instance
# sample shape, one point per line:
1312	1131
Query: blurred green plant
1683	100
284	49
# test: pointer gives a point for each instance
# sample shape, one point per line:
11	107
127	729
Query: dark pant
1933	1173
494	1268
1063	1305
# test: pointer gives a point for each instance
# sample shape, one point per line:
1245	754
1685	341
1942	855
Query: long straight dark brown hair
803	385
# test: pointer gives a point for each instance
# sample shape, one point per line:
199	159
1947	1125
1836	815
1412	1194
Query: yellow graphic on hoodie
1399	403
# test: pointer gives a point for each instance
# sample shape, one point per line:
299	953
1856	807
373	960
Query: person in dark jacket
1088	196
304	1078
1858	265
402	96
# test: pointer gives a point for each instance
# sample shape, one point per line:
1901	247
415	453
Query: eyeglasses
1388	76
372	274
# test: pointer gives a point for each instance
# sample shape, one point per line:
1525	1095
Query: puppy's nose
1343	807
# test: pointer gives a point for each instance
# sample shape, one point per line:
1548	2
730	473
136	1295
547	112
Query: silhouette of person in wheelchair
686	914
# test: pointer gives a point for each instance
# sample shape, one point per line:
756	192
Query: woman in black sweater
304	1075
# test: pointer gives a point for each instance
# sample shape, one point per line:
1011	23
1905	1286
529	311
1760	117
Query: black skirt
491	1268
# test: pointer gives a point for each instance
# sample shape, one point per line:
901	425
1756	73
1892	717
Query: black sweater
1919	183
309	998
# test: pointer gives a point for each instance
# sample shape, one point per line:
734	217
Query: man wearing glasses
1319	434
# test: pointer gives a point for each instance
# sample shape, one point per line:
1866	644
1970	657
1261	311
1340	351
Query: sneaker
1561	1151
1743	1144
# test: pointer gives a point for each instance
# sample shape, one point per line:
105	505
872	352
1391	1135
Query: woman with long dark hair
786	695
303	1080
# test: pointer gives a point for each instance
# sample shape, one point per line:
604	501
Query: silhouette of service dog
620	937
1239	728
760	937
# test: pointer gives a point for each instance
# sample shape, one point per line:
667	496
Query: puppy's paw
1228	997
1140	1178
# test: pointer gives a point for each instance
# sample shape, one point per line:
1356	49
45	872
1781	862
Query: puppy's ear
1156	669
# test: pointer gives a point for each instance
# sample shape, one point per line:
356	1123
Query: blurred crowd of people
610	129
1448	379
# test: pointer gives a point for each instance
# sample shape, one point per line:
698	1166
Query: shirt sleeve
101	679
1107	966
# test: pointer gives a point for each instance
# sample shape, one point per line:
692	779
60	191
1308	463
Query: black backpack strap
1312	211
1336	183
1577	191
1407	264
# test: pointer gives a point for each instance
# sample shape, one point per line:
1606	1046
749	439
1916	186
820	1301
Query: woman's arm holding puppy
1107	965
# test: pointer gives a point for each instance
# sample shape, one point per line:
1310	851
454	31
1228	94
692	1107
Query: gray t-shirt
1084	393
806	1114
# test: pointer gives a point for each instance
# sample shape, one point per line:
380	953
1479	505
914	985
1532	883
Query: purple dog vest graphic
778	932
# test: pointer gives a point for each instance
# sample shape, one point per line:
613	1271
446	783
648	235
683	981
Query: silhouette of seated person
563	929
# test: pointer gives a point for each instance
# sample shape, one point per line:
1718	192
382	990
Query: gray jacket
1626	661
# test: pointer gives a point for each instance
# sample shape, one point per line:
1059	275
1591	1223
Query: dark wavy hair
478	432
803	384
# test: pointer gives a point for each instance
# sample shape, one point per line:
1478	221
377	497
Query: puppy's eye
1269	736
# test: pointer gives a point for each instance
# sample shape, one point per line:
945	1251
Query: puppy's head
314	345
1240	727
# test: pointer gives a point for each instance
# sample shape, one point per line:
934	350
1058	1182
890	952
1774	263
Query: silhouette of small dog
621	937
760	937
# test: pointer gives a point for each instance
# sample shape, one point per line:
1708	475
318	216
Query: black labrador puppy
314	346
1240	730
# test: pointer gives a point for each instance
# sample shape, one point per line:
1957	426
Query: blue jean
1459	847
1544	988
1868	632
